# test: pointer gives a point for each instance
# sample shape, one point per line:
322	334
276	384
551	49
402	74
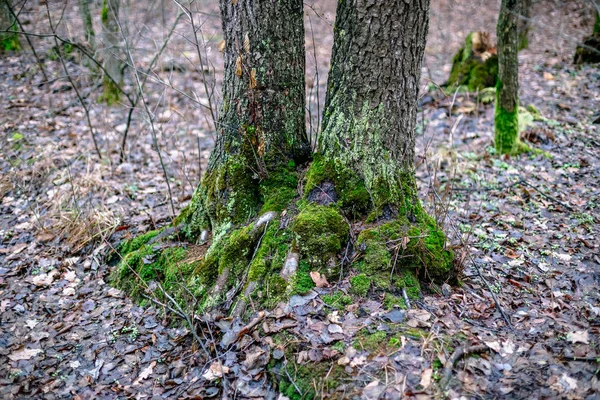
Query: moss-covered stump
589	51
475	65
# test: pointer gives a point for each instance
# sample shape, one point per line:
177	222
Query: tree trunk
261	128
113	67
8	41
367	144
524	24
589	51
88	26
276	223
506	119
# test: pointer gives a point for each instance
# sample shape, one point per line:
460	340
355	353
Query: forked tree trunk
261	127
88	26
113	67
506	119
8	41
269	231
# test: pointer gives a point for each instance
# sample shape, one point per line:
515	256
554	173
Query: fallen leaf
578	337
426	377
24	354
146	372
319	280
215	371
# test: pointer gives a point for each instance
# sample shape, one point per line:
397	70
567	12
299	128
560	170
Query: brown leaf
247	43
238	66
24	354
252	78
319	280
222	45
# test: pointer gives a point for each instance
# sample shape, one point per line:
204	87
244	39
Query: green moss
310	380
417	246
136	243
360	284
337	300
390	301
279	189
371	342
597	24
10	41
144	264
302	282
467	70
351	194
320	232
506	129
104	14
110	92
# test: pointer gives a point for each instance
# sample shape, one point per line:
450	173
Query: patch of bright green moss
320	232
506	129
302	282
390	301
360	284
10	41
352	195
470	71
371	342
137	242
337	300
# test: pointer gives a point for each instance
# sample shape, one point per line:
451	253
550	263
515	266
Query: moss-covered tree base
475	65
331	226
110	92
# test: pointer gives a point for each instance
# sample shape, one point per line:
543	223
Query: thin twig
150	117
64	65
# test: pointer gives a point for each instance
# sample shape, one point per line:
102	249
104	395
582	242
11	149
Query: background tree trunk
88	26
261	128
589	52
8	41
506	118
112	64
524	24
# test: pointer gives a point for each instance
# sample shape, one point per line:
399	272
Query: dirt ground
525	230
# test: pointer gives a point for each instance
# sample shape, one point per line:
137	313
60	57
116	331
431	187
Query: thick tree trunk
366	161
507	102
113	67
8	41
88	26
524	24
261	128
269	231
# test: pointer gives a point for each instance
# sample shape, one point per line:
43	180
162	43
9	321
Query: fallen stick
457	355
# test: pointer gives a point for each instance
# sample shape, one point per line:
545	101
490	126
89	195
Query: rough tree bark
88	26
524	24
262	220
506	119
112	65
8	41
366	160
261	129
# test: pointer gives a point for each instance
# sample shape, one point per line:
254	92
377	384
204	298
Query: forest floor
526	230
